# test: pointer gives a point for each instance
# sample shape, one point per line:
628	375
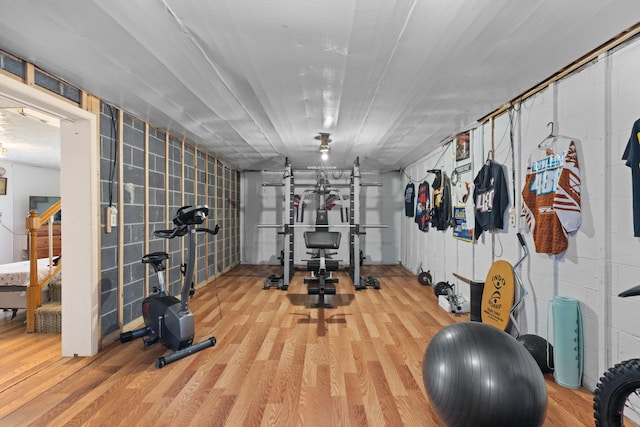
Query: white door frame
79	190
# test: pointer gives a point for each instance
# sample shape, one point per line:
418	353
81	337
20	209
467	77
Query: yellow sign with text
498	295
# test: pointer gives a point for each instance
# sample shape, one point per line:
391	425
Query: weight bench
321	283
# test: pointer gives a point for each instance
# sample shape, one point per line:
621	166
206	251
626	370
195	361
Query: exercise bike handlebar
170	234
183	230
632	292
186	218
208	230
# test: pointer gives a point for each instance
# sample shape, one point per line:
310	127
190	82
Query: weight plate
424	278
441	288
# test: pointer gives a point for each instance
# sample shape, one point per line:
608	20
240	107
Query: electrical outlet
512	216
113	220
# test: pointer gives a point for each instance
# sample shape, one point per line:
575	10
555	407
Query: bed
14	281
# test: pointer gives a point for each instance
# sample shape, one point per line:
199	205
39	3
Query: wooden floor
277	363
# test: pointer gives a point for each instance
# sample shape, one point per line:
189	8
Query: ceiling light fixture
324	145
41	117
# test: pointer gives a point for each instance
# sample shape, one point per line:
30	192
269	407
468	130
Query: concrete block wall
133	152
160	174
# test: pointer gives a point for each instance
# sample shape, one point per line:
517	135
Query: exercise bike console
166	317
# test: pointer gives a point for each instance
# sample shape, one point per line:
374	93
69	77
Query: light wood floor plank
277	362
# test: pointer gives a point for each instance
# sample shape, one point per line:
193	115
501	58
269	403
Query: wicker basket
49	318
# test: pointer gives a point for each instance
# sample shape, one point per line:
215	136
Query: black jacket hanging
441	207
491	197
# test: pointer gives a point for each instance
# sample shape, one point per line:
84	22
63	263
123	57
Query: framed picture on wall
3	186
462	146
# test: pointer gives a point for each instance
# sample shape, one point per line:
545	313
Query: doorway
79	188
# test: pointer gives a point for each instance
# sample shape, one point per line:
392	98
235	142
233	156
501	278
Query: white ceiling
256	80
30	137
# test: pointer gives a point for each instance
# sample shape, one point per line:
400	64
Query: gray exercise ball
478	375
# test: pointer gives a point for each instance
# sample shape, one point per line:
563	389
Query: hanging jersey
632	157
423	207
491	197
441	212
551	196
409	196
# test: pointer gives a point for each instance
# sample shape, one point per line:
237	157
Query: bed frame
14	296
15	276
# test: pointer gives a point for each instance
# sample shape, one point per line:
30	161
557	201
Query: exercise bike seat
155	258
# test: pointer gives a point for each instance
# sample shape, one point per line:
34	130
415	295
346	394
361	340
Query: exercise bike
618	391
168	319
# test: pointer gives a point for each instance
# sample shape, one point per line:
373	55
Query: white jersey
551	196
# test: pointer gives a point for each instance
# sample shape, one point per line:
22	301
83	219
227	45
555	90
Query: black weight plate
441	288
424	278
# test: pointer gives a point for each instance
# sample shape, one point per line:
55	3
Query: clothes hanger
490	156
551	136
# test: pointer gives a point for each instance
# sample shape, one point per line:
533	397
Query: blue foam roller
568	342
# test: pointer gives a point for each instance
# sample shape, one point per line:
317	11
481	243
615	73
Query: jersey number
546	181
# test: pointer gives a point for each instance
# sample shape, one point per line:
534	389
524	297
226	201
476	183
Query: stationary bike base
187	351
137	333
